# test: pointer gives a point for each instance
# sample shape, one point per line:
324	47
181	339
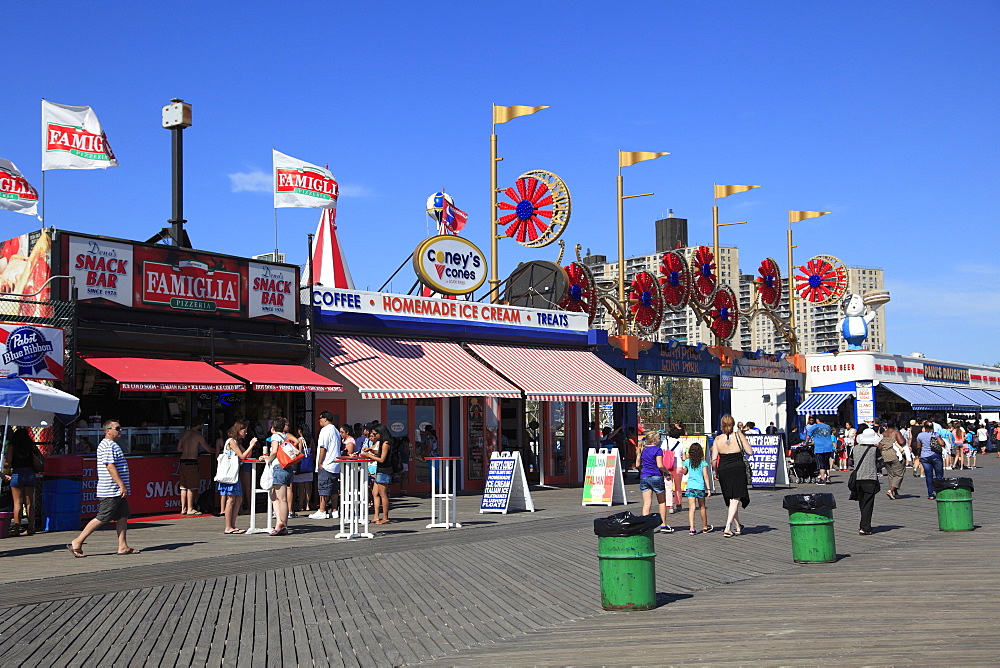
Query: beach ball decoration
675	281
769	285
538	210
821	280
724	313
645	303
704	278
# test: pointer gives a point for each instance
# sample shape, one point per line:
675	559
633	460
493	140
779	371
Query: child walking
697	490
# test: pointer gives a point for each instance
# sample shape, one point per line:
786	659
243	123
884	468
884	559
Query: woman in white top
232	494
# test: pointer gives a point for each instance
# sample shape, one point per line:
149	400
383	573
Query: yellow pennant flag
504	114
726	191
796	216
627	159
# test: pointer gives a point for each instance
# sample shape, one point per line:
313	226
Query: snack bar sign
179	279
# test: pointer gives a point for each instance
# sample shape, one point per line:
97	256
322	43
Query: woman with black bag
730	450
865	475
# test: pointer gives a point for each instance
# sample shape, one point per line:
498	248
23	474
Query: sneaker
334	515
692	532
666	529
320	515
709	529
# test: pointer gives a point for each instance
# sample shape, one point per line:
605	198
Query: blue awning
822	403
924	398
986	401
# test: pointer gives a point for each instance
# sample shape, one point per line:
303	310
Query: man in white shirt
328	481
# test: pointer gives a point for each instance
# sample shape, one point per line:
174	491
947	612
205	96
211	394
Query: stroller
804	463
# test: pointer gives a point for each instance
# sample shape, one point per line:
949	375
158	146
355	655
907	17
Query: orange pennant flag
627	159
796	216
504	114
726	191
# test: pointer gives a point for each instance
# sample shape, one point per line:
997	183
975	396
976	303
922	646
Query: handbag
746	464
37	460
288	454
937	445
228	471
267	476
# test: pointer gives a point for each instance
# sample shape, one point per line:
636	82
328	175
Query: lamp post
500	115
718	192
795	217
176	117
627	159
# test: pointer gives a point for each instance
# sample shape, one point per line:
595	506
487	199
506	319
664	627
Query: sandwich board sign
506	486
603	484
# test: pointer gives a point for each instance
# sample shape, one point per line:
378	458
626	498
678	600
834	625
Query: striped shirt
109	452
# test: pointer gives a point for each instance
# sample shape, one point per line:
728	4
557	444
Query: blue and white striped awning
985	400
924	398
822	403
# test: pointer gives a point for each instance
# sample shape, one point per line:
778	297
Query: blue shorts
823	460
653	482
383	479
695	493
23	478
230	489
281	477
329	483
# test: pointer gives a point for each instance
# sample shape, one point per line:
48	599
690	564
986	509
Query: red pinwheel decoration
675	281
541	209
821	280
769	284
645	303
725	313
582	297
705	280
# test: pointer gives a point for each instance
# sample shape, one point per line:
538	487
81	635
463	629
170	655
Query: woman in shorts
232	493
378	449
281	479
22	479
652	469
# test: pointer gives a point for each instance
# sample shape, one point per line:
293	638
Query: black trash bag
622	525
952	483
807	503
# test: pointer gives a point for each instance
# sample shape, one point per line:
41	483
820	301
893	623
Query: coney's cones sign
298	183
72	138
16	194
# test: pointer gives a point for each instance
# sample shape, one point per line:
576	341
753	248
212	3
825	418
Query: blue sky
882	112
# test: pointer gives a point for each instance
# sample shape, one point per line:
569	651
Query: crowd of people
294	472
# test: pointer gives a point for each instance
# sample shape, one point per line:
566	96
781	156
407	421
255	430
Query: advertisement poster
506	486
25	266
767	454
603	483
31	351
102	269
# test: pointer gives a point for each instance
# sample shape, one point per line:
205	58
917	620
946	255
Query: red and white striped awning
550	374
384	368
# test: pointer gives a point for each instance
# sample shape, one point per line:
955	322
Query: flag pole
43	199
275	234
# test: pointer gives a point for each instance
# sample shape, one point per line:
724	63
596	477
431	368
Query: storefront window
556	462
476	429
424	415
533	422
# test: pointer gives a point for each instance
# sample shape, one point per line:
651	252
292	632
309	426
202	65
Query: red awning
280	377
384	368
158	375
550	374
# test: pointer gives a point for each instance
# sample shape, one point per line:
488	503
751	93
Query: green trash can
810	518
627	561
954	503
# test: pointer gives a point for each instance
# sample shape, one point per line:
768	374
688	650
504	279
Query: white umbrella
26	403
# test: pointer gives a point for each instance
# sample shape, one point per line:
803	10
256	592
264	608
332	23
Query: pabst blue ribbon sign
450	264
31	351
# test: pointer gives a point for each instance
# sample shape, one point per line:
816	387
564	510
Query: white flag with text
16	194
72	138
298	183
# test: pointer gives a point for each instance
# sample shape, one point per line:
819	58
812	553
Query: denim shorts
653	482
383	479
281	477
23	478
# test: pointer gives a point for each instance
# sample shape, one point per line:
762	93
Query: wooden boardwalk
512	590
